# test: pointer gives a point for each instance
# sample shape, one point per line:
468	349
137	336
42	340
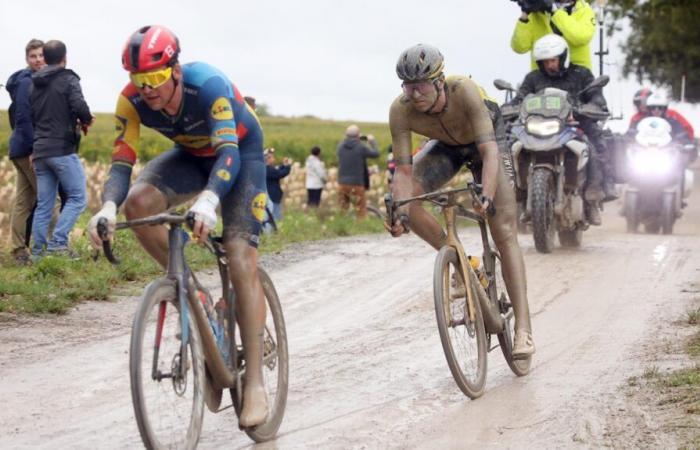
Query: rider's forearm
489	174
117	186
225	170
401	185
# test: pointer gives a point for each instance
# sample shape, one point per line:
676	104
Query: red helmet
149	48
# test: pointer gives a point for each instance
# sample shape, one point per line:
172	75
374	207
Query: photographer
573	20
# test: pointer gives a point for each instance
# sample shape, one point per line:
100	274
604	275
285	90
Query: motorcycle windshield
548	103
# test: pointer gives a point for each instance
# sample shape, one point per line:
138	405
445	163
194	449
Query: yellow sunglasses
154	79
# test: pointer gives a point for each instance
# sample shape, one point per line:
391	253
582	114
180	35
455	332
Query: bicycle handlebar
473	188
158	219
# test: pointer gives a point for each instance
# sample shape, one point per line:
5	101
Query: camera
530	6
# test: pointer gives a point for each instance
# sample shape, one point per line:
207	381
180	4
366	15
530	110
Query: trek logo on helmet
154	39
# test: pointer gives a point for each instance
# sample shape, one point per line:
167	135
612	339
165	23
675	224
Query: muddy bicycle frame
491	306
180	274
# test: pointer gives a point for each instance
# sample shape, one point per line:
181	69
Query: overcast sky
329	58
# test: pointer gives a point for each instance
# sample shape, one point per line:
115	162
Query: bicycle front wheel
167	392
463	340
275	365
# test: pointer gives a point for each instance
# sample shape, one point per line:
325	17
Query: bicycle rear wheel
463	341
168	408
275	365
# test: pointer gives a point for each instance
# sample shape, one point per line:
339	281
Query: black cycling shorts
180	176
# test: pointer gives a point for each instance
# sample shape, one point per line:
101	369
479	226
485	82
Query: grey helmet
420	62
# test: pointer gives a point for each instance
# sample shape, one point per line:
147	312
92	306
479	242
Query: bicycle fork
177	271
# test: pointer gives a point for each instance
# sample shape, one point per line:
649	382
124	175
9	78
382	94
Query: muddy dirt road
367	369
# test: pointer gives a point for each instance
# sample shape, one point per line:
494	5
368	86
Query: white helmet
551	46
657	99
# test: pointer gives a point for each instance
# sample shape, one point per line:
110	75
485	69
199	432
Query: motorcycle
657	181
550	156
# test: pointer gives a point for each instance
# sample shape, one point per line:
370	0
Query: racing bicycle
185	346
468	306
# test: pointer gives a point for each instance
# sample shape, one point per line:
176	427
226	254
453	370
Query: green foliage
54	284
291	137
684	377
664	43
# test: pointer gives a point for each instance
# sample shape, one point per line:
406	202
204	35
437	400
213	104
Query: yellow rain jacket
577	29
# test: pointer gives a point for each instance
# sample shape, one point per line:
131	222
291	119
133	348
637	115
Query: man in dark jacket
21	148
551	54
58	112
275	172
352	157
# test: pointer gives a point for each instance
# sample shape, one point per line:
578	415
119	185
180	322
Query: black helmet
420	62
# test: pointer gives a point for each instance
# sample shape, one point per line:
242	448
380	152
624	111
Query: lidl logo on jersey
258	206
221	109
223	174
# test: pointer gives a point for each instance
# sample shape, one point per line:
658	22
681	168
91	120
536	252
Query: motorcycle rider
681	130
451	112
659	108
554	70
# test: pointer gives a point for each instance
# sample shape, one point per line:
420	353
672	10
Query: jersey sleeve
216	100
127	129
400	132
477	113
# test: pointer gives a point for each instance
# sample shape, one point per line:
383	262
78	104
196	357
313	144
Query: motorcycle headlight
652	162
543	127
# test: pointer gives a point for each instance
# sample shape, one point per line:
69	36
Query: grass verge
678	390
54	284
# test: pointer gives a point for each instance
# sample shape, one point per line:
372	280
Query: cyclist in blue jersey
217	157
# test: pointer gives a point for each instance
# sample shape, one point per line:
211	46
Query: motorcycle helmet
658	100
548	47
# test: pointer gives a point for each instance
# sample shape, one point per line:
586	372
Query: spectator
21	149
574	20
315	178
274	174
58	112
352	157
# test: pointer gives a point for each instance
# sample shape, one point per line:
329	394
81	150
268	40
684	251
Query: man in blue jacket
21	148
275	172
58	110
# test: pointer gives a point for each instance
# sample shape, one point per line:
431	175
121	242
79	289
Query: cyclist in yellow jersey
451	112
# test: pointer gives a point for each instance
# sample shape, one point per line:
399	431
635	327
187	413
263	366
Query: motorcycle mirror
503	85
599	82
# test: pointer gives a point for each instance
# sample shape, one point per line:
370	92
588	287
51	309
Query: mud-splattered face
422	94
